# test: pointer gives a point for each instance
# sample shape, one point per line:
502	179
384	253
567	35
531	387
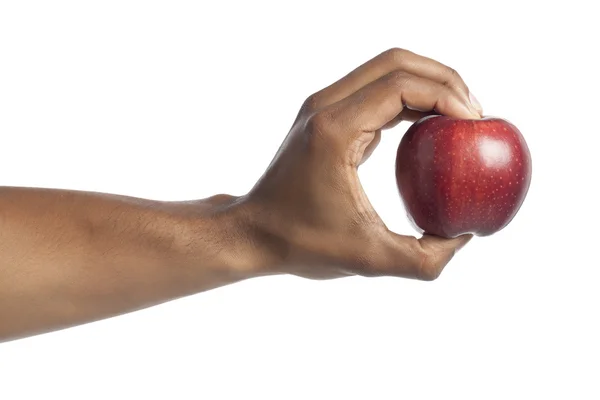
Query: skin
69	257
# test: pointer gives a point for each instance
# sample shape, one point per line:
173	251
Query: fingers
407	257
377	104
407	115
389	61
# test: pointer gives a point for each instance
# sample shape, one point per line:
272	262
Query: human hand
308	215
310	208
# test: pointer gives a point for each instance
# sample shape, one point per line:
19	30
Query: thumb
423	258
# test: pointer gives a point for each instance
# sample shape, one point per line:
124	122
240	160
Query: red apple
462	176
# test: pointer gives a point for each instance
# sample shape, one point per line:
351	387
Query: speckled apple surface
462	176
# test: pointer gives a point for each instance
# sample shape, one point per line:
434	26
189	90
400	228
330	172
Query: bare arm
68	258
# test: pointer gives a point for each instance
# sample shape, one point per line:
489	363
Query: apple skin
460	176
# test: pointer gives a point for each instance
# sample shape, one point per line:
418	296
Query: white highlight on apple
494	153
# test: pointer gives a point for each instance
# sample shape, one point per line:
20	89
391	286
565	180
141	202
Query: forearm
69	257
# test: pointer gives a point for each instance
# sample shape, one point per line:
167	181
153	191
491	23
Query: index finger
383	64
375	105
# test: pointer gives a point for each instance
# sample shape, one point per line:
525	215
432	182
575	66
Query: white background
181	100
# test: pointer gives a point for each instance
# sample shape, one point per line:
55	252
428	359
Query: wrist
226	237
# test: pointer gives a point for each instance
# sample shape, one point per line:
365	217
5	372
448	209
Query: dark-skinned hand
310	205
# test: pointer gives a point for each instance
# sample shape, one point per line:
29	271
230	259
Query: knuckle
453	78
427	264
396	55
427	272
453	73
311	103
319	124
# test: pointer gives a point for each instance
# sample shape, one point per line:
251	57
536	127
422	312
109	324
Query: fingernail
475	103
